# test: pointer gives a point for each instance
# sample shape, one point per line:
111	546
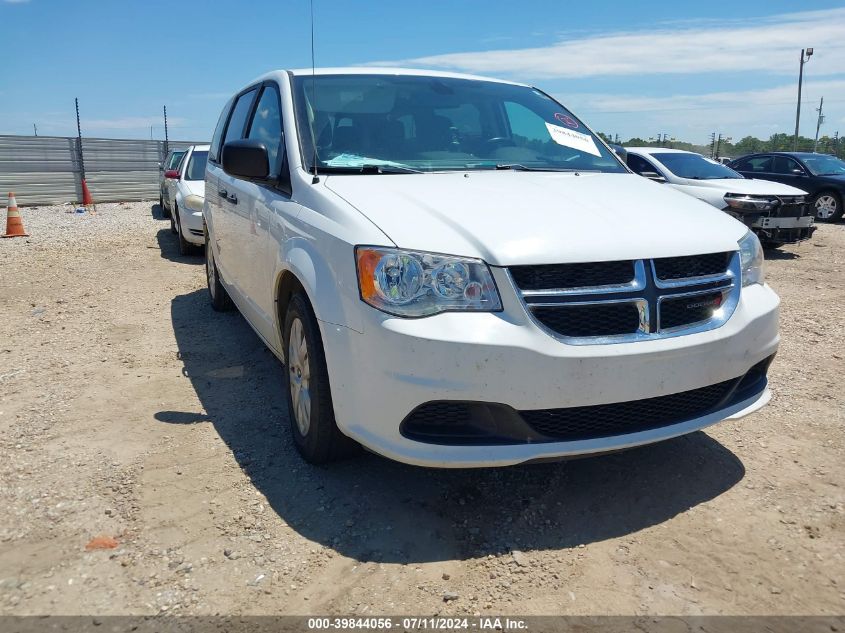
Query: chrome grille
660	297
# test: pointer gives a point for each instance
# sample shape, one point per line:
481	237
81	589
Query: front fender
329	281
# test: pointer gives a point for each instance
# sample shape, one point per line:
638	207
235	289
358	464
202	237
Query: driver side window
640	165
785	165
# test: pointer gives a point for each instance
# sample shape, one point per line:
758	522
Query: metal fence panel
46	170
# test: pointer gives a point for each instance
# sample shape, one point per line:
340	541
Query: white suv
458	272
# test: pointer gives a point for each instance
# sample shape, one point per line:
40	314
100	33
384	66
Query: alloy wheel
210	272
299	376
825	207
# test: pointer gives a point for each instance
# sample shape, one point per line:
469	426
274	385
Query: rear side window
237	122
266	126
758	163
214	152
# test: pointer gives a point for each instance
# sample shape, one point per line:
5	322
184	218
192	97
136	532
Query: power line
722	107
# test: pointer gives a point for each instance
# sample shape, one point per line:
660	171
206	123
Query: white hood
747	185
509	217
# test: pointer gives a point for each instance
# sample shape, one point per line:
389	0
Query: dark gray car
171	161
822	176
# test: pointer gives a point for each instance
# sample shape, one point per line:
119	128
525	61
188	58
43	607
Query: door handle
233	199
222	193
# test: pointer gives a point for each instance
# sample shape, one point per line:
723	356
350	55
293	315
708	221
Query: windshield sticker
567	120
575	140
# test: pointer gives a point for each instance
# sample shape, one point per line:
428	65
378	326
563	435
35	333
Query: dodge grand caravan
457	272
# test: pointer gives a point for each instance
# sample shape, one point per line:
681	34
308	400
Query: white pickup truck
457	272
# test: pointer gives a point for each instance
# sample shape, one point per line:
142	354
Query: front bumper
192	226
380	376
784	225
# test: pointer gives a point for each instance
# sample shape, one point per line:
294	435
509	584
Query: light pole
809	54
818	125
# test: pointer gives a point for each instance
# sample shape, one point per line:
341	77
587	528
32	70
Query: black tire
220	300
829	196
321	441
173	228
165	213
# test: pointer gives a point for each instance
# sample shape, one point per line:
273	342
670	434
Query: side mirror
798	172
653	175
247	159
160	167
172	173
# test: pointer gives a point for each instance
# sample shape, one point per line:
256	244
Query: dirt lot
129	409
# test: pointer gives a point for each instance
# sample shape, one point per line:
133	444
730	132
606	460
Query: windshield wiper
369	168
520	167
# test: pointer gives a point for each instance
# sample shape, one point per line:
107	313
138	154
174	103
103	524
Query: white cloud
748	100
129	123
768	45
693	117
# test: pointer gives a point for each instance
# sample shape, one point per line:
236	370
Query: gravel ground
130	411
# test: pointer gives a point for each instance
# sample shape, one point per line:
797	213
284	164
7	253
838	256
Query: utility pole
166	139
713	145
819	122
809	53
35	129
79	142
718	146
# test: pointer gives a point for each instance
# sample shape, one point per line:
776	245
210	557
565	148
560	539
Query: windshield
824	165
416	123
694	166
196	166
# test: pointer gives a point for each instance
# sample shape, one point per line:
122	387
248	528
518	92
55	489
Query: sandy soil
129	409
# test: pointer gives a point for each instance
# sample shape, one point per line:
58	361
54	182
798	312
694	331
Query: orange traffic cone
88	199
14	224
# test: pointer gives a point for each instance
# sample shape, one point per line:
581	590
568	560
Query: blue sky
632	68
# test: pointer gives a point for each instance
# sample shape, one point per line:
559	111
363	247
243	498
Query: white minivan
457	272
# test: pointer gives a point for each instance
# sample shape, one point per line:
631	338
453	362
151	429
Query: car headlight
415	284
749	202
751	258
194	202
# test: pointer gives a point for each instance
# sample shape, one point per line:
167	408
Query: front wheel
309	397
827	206
165	213
220	301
